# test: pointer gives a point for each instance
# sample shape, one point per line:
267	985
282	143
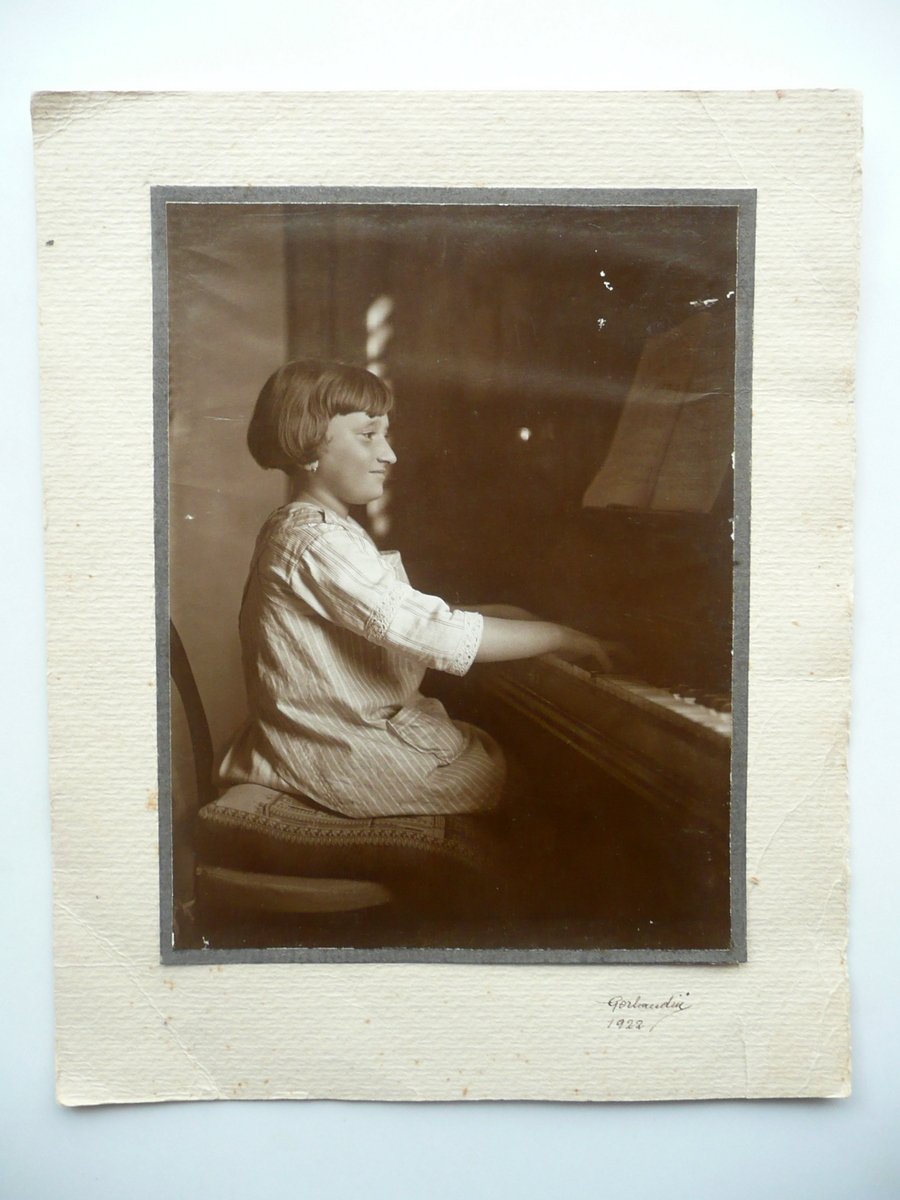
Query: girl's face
353	462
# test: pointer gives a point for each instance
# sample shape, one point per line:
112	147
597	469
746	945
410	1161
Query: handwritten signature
639	1014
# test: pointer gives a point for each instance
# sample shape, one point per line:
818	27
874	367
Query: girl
335	641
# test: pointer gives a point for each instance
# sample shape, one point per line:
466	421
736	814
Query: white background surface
798	1149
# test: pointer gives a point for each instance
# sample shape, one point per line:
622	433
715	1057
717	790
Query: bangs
353	389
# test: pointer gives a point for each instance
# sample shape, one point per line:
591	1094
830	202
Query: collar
308	510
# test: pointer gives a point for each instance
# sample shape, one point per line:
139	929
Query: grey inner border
744	200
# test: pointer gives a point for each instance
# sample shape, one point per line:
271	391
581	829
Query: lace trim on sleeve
473	626
379	622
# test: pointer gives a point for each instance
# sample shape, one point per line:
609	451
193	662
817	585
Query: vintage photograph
441	708
453	517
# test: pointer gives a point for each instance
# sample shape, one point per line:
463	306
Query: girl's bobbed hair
298	400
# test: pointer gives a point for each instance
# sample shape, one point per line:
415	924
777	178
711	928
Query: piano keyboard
681	705
673	750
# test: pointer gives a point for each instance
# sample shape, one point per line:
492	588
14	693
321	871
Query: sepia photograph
452	530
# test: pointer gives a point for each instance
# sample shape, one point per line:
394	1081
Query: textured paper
131	1029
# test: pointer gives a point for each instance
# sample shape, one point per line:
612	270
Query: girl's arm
509	612
512	632
504	639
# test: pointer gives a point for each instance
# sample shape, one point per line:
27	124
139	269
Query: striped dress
335	644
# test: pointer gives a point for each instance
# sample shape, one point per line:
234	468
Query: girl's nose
387	454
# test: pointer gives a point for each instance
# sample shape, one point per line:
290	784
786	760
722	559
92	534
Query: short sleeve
344	579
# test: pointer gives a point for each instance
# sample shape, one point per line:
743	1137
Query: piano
644	556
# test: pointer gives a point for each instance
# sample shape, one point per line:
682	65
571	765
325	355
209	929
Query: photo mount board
134	1029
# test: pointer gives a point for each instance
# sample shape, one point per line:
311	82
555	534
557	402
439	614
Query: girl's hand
599	655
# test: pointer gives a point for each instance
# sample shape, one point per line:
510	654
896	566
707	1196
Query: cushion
446	864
